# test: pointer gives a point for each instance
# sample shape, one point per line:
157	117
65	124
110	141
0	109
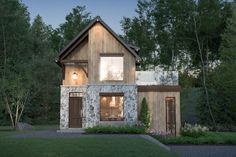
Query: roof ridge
93	22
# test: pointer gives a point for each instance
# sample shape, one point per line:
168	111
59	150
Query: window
111	107
170	115
111	68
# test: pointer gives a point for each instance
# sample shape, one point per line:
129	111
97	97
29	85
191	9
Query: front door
75	110
170	115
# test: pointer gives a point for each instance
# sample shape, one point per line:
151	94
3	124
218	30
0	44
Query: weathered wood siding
69	70
80	53
102	41
157	108
99	40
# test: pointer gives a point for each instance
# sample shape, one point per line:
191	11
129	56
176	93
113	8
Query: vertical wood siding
99	41
102	41
157	108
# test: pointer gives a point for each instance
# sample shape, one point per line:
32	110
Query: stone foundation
91	103
64	108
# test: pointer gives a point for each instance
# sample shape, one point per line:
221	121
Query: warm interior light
111	68
113	102
74	76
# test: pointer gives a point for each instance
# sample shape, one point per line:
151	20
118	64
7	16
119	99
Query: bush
159	133
208	138
116	130
144	114
193	130
224	128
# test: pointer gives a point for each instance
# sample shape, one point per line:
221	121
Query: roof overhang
159	88
84	33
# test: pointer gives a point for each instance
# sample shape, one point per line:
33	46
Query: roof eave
93	22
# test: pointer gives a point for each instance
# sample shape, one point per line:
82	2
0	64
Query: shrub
224	128
116	130
193	130
144	114
160	133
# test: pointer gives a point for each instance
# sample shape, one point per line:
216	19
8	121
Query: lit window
111	108
111	68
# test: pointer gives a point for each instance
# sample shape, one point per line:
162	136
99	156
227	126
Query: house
102	87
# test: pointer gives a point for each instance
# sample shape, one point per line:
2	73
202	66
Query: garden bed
115	130
216	138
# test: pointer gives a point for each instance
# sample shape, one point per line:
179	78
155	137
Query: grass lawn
35	127
80	146
209	138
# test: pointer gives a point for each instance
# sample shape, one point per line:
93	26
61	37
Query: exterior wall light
74	76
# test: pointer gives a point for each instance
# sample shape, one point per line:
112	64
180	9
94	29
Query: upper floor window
111	68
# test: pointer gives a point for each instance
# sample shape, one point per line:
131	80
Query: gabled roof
132	49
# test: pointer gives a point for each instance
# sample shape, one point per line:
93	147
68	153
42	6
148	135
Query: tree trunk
4	51
203	72
9	111
14	113
4	76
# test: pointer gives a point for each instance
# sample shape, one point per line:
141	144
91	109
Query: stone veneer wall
64	107
93	103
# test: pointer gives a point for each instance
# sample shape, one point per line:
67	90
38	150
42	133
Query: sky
54	12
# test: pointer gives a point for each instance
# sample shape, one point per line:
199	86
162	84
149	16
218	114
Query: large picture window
111	107
111	68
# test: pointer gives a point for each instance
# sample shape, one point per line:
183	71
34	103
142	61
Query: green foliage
144	114
15	68
189	102
164	30
46	75
222	80
186	35
208	138
138	32
116	130
75	22
28	72
186	80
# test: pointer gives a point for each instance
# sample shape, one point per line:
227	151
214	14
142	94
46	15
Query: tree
185	36
14	56
170	20
16	92
208	21
144	114
29	77
138	31
222	81
167	31
45	76
76	20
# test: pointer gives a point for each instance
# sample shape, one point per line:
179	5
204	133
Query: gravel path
204	150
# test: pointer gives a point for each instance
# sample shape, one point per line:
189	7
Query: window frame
166	100
111	55
110	95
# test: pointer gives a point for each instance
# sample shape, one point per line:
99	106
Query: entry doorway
75	110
